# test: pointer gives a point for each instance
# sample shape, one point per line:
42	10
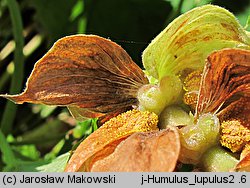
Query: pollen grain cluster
234	135
132	121
191	85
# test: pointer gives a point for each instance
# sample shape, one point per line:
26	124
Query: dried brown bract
90	75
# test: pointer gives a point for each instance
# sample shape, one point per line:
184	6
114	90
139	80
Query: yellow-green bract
182	48
190	38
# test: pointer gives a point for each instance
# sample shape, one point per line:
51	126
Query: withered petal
237	110
245	151
104	140
226	74
81	114
155	151
84	71
244	164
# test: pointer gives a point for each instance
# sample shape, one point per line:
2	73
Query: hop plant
204	52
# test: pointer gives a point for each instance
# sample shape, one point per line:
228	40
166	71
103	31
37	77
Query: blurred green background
37	134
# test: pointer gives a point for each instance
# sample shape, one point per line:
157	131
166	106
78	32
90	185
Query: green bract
190	38
182	48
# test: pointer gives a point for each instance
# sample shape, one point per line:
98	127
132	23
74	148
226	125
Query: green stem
175	12
247	26
8	155
38	141
4	78
17	77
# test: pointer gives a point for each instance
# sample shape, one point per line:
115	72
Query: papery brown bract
224	92
104	140
226	74
154	151
244	164
90	75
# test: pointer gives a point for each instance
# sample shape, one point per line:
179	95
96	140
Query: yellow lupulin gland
234	135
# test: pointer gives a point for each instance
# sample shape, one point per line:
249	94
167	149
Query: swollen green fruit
155	98
198	138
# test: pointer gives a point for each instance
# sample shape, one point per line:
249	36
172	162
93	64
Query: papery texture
91	75
154	151
104	140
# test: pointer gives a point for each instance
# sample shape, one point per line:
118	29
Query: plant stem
17	77
4	78
8	155
174	13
